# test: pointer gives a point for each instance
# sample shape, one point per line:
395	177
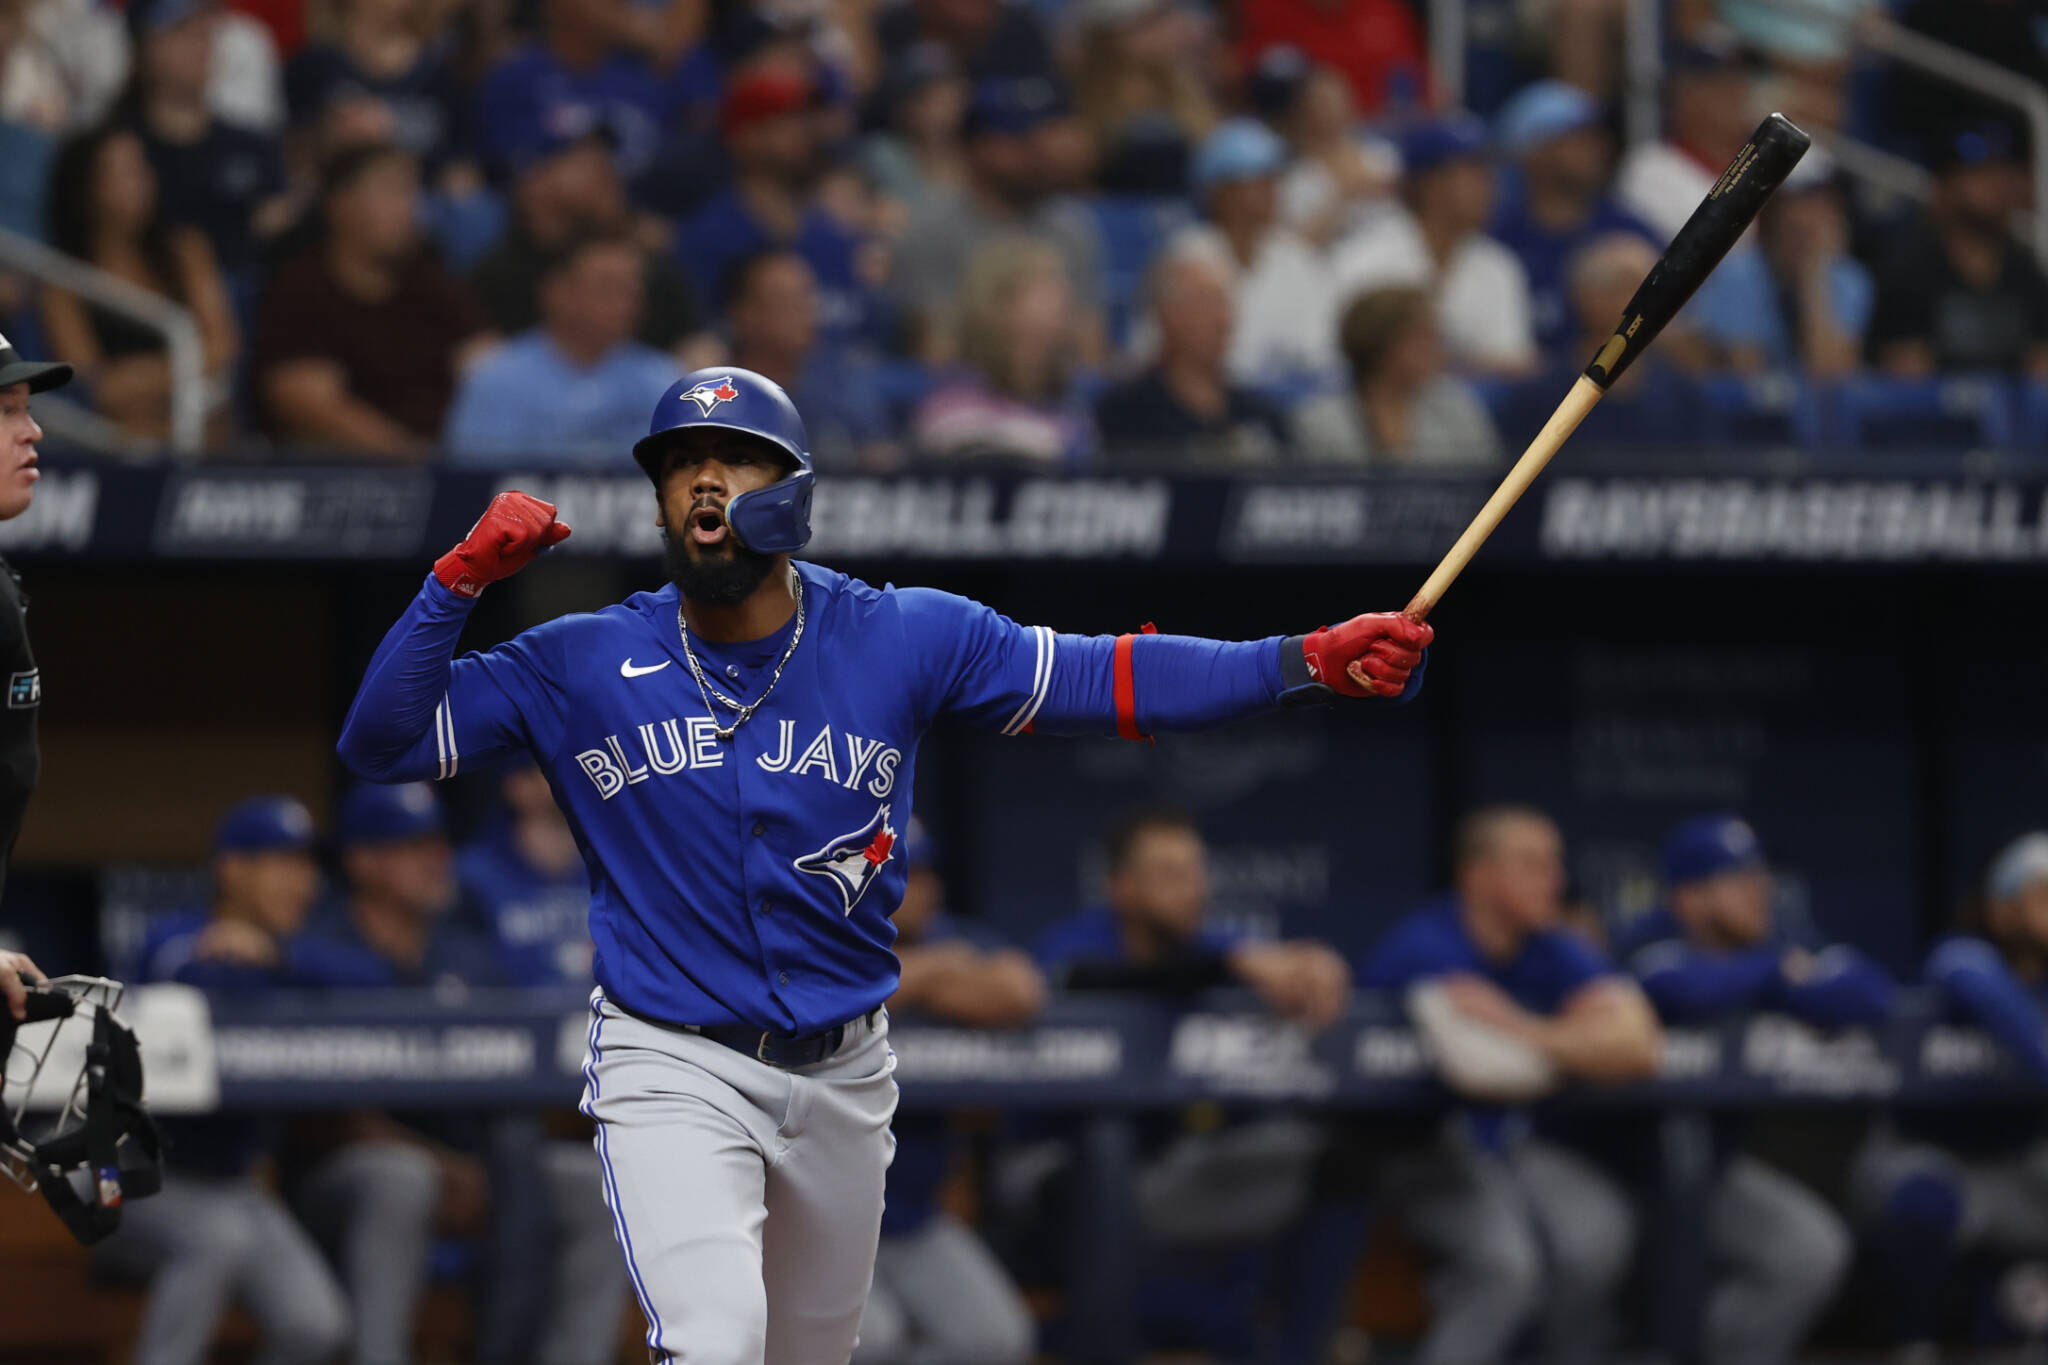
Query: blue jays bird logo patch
711	393
853	861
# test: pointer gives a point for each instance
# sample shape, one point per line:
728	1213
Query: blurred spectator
246	88
1185	409
771	316
1007	194
383	76
552	1286
1808	46
525	875
27	141
104	210
1655	403
578	74
1286	326
1709	112
1376	44
1139	89
360	338
940	1294
1556	199
916	152
1013	398
1517	1228
569	186
1257	1181
1436	238
1401	408
1941	1182
577	389
772	129
216	1234
986	38
67	67
1928	110
226	181
1337	175
1961	293
1714	950
1799	303
1581	39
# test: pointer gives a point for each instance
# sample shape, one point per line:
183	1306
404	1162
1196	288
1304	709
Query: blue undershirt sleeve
1975	980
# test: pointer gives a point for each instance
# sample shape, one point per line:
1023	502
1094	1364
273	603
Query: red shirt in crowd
1370	41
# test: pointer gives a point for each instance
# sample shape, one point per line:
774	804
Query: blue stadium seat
1133	229
1761	410
1953	411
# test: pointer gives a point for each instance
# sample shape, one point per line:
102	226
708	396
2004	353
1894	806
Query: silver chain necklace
707	691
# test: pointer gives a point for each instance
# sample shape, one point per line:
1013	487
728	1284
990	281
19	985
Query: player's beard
724	580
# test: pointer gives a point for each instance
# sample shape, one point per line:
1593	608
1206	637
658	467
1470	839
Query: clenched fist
1368	656
513	529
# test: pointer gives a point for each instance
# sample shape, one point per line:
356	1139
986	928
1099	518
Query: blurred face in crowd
593	301
1008	166
578	187
778	312
416	875
924	894
1574	163
1732	910
384	16
1163	882
1416	356
1323	112
1981	198
274	888
932	112
960	21
782	146
1711	112
1604	279
1517	879
377	213
1040	323
1804	227
2022	920
13	19
123	186
605	21
1196	311
18	436
1457	195
178	61
1246	208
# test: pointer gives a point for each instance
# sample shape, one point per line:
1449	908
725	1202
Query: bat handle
1584	394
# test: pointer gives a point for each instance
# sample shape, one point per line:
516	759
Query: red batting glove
513	529
1367	656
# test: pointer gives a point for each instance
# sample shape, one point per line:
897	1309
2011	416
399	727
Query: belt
783	1050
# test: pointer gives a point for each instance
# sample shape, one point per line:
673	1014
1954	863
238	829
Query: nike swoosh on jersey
626	669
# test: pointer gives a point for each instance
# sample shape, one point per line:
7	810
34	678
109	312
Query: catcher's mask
91	1145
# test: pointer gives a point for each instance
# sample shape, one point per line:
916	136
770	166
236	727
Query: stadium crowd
1065	234
1531	1227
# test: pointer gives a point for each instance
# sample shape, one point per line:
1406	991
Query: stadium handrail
180	331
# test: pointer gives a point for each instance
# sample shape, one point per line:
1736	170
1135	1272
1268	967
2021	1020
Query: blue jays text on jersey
751	881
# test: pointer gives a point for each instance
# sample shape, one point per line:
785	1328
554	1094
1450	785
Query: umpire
19	759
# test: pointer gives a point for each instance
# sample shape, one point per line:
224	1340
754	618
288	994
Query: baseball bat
1722	217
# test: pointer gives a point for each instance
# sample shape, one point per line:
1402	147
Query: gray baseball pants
747	1198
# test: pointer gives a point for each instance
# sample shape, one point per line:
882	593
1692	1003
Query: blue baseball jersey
542	922
1689	983
1548	969
1091	936
751	880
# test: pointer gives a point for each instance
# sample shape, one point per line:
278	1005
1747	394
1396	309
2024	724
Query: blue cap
1438	142
1239	149
559	127
373	814
1010	106
265	824
1277	79
1542	111
2018	865
1708	846
1984	145
919	848
147	18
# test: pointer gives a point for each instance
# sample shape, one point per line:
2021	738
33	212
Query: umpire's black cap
39	375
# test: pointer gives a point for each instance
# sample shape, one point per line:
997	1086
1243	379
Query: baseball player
735	752
19	758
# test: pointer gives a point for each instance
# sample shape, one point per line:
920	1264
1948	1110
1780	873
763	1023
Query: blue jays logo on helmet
771	520
710	395
853	861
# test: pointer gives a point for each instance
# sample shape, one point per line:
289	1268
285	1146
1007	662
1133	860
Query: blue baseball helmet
772	520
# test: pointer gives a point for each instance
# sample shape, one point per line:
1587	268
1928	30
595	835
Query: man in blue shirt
525	875
1517	1229
742	875
217	1233
939	1294
1715	949
548	1288
1937	1183
574	75
576	387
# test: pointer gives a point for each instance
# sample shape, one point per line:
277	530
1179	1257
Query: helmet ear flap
775	520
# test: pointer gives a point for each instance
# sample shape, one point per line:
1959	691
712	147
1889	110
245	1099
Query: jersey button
767	907
759	829
782	979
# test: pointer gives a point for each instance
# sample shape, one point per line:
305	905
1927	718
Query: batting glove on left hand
512	531
1368	656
